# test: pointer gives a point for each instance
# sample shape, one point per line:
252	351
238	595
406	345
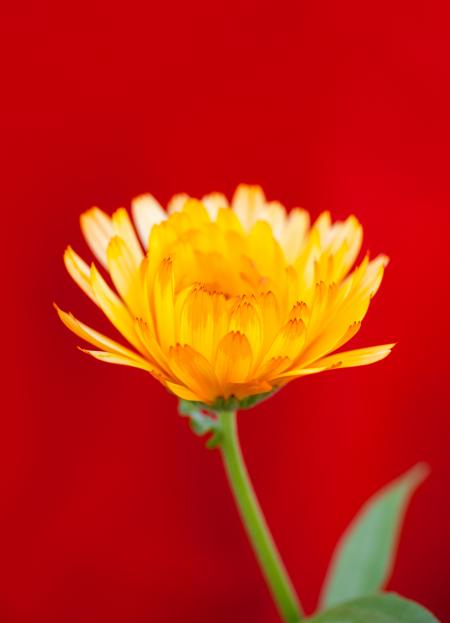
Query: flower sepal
202	421
203	418
225	404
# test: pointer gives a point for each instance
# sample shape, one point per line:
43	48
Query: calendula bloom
222	301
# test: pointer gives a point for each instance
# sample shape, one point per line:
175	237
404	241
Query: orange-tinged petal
94	337
289	341
114	309
346	359
270	316
327	342
297	373
195	322
300	311
148	339
194	371
243	390
358	357
245	318
234	359
294	287
342	315
163	240
181	391
320	305
164	304
273	368
79	271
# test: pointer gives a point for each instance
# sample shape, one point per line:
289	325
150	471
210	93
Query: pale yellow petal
247	203
274	213
294	234
79	271
323	226
124	230
213	203
350	245
177	202
98	230
146	212
125	274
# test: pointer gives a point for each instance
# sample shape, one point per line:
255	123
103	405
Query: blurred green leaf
385	608
363	559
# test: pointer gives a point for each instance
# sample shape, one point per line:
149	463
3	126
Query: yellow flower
222	301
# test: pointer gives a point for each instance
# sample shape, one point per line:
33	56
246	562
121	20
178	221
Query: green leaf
363	559
385	608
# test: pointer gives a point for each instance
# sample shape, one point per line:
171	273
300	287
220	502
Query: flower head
222	301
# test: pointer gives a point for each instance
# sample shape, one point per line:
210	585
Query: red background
111	510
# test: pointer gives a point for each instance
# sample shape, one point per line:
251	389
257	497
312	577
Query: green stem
255	524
